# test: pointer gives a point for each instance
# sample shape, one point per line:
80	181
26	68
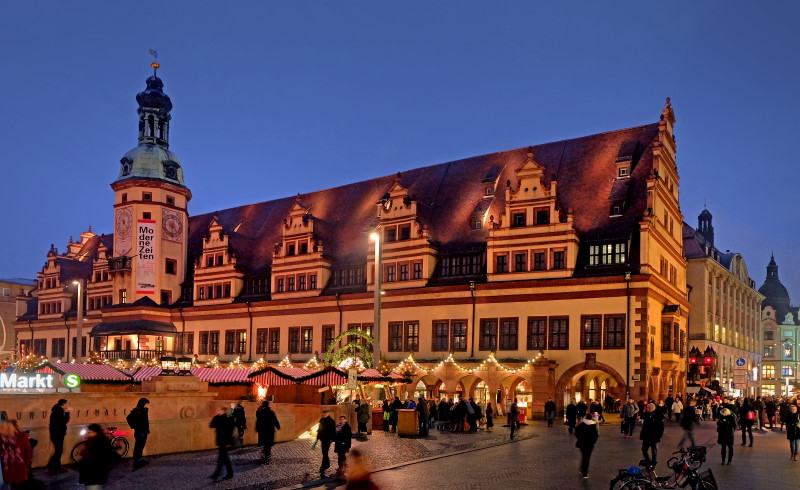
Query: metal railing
134	354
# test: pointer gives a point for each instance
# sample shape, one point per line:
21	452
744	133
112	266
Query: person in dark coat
514	417
223	426
59	418
571	413
597	407
586	434
549	411
651	433
387	409
362	416
396	405
770	408
326	434
628	414
422	408
96	458
341	446
266	425
747	417
139	421
783	410
443	416
581	408
489	416
688	421
240	421
726	426
793	430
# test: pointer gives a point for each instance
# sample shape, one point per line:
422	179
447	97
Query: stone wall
178	420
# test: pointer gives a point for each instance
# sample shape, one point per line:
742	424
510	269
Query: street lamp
184	365
376	340
79	322
167	365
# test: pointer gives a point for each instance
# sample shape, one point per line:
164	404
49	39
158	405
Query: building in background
542	271
9	290
724	322
781	332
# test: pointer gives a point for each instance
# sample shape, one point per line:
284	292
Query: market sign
16	381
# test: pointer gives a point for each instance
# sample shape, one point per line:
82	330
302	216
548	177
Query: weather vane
154	64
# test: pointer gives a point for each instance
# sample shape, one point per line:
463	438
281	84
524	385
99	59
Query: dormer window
622	172
518	220
616	209
477	224
608	253
488	191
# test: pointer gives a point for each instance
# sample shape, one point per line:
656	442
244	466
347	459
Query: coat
549	409
327	429
629	410
689	417
363	413
792	428
239	417
15	453
422	408
743	414
571	413
223	425
266	425
96	460
725	428
586	434
652	427
58	420
344	438
139	420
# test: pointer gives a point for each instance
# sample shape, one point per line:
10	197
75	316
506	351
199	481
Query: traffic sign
72	381
352	378
741	362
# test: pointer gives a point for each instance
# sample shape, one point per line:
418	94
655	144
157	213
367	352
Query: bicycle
119	445
685	473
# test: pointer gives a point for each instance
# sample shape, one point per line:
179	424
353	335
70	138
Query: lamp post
168	364
184	365
79	322
376	338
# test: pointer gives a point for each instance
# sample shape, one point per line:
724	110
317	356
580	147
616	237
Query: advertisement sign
146	256
740	377
16	381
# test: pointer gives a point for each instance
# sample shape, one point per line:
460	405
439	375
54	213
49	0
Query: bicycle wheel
120	446
618	481
637	484
76	452
704	485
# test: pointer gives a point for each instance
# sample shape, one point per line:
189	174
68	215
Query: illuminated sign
15	381
72	381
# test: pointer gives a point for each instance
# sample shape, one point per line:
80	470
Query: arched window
151	126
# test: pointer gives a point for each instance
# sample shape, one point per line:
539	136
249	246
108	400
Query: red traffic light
692	360
708	360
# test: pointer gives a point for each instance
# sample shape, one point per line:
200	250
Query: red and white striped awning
222	375
87	372
327	377
144	373
279	376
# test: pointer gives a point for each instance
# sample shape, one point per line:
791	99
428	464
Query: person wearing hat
326	434
726	426
139	421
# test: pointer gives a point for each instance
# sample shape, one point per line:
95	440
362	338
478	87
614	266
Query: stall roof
87	372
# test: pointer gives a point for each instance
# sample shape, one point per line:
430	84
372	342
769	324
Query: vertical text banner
146	257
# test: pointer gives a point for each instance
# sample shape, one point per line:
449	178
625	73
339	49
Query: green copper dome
154	162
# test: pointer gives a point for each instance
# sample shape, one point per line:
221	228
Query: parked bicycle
119	445
685	473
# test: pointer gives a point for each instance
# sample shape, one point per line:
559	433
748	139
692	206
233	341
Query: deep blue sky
273	98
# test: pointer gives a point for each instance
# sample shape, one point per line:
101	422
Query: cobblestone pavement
551	462
541	458
293	462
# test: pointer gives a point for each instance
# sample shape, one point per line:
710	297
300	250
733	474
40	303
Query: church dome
154	162
776	294
153	96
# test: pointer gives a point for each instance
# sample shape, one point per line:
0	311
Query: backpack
751	415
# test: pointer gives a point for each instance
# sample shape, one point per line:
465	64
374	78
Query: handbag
386	415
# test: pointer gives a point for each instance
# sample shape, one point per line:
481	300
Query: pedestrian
443	415
362	417
793	430
597	408
396	405
343	441
223	427
688	421
747	418
326	434
770	408
581	408
783	410
668	405
549	411
59	418
15	453
651	433
571	416
239	421
422	408
477	415
677	409
266	425
514	417
628	415
586	434
139	421
489	416
358	474
609	401
758	406
726	426
95	459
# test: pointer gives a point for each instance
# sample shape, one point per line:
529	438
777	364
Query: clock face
123	225
172	226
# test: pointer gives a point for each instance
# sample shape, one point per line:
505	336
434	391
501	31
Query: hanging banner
146	257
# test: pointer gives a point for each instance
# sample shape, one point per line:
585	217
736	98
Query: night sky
272	99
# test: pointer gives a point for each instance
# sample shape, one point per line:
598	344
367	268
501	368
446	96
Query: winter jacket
58	420
581	408
138	419
96	460
792	428
224	429
677	406
652	427
363	413
571	413
239	418
422	408
726	426
586	434
344	438
327	429
266	424
688	418
629	410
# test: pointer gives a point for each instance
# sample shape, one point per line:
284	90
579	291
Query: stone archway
615	381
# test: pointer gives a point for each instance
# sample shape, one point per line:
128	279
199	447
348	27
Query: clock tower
150	201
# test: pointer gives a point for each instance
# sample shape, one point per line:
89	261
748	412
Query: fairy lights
285	363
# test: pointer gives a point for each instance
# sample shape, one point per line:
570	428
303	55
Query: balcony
117	264
134	354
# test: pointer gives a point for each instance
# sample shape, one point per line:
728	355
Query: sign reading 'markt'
15	381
